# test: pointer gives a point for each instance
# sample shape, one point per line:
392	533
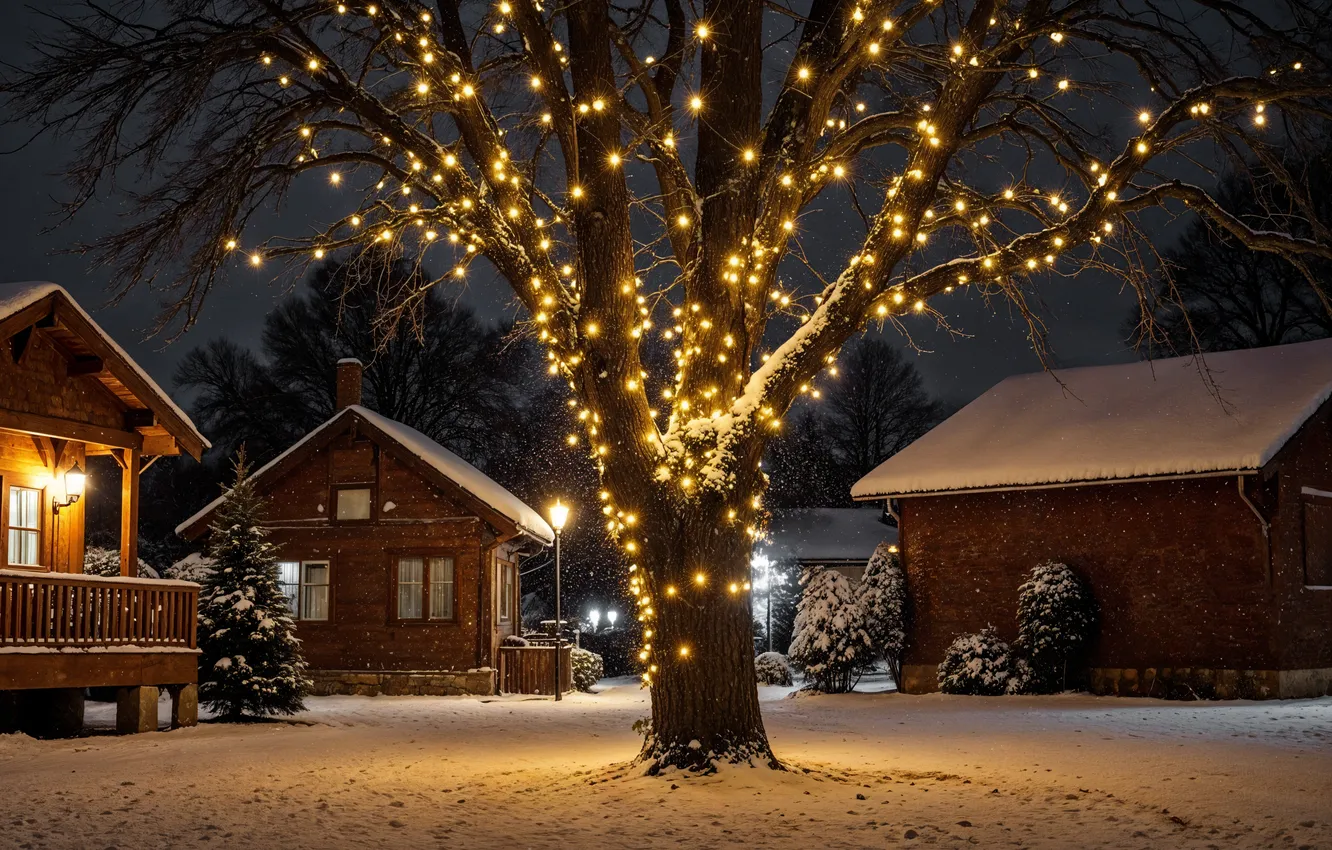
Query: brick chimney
350	371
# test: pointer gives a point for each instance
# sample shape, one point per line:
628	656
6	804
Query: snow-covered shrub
587	669
193	567
772	668
250	660
829	644
515	640
883	607
1056	619
101	561
981	664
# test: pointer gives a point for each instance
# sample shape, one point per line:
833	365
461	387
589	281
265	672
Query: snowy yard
870	770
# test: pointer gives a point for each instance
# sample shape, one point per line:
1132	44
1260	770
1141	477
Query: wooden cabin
68	392
1199	511
400	558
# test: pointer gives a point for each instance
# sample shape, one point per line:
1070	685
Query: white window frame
23	530
507	582
297	601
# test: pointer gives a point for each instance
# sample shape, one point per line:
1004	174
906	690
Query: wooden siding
530	669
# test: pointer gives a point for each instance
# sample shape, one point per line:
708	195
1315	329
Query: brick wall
1178	568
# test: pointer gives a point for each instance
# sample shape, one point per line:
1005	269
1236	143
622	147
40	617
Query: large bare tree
646	169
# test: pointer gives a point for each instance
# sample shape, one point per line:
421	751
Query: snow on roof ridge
1118	422
15	296
453	467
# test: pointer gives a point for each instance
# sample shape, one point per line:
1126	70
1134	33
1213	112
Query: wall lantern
75	478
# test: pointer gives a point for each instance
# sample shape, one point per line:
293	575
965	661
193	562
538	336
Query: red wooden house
68	392
400	558
1200	511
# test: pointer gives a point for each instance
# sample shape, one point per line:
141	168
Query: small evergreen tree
1056	619
830	643
883	607
250	659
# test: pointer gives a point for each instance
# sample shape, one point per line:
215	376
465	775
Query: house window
425	584
353	503
506	593
1318	543
305	584
24	525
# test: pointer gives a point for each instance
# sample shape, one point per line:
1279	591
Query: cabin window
1318	542
353	503
506	592
305	584
425	585
25	519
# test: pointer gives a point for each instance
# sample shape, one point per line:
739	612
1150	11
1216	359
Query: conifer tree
829	642
883	607
250	661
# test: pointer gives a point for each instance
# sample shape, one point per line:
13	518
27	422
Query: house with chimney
1193	494
399	558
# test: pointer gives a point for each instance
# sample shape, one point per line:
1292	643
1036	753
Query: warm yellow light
696	103
559	515
699	578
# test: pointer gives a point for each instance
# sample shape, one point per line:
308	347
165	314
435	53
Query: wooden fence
64	609
529	670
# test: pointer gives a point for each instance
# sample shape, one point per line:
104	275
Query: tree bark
699	627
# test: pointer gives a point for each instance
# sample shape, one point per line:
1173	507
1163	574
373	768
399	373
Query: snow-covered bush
250	660
101	561
1056	619
772	668
982	665
883	607
515	640
829	644
587	669
193	567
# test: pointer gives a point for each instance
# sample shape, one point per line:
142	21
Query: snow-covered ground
870	770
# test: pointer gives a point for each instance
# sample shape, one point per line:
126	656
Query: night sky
1085	314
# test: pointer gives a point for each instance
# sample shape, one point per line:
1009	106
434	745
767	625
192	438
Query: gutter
1262	522
1056	485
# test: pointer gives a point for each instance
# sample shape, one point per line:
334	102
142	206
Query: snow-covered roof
1105	423
826	534
15	297
470	479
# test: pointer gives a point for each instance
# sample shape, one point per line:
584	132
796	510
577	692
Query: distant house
834	538
68	392
1200	513
400	558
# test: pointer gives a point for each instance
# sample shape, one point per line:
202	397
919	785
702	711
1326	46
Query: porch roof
48	308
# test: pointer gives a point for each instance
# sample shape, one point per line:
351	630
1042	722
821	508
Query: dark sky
1085	314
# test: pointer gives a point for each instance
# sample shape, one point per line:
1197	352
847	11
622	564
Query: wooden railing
61	609
529	670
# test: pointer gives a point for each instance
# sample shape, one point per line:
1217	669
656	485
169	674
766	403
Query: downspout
888	509
1263	523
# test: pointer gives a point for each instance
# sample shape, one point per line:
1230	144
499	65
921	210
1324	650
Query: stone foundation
1184	683
403	682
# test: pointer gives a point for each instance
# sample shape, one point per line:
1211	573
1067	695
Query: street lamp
763	562
610	618
595	616
559	515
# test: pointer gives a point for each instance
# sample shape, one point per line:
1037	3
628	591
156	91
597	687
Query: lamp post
761	560
610	618
559	514
595	616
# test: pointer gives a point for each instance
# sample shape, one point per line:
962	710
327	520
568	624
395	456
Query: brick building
1195	497
400	558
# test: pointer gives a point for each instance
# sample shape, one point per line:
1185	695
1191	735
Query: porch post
129	513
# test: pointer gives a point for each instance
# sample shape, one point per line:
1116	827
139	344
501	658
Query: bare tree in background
648	169
1214	294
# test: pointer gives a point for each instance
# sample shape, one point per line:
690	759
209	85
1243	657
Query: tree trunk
705	705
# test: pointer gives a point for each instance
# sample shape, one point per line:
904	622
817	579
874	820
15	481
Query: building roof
472	481
826	534
1227	412
51	307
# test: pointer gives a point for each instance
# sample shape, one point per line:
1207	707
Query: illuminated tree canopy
643	173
